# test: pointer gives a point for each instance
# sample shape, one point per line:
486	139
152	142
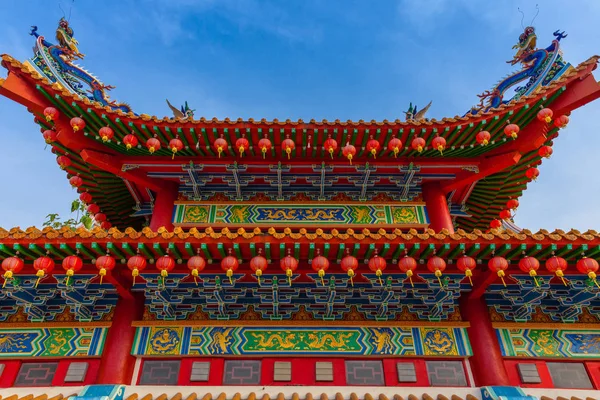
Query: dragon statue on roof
540	67
56	62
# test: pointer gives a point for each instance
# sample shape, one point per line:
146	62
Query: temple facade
237	259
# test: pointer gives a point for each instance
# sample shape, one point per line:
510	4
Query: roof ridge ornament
413	114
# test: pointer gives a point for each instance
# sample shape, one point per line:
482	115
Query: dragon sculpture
56	62
540	67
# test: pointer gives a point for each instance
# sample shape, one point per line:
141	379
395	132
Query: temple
243	259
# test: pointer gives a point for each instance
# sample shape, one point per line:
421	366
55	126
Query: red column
486	363
117	363
437	207
162	214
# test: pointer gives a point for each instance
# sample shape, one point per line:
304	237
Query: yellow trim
301	203
543	325
37	325
303	324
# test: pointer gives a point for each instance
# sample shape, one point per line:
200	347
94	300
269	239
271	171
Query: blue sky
334	59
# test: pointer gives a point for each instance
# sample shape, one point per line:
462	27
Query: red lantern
483	138
495	224
100	217
511	130
512	204
530	265
175	145
71	264
105	264
43	265
439	143
545	115
106	133
349	151
289	265
466	264
264	145
557	265
437	265
288	146
220	145
320	265
105	225
395	145
153	144
85	197
136	264
588	266
505	214
377	265
50	113
499	265
242	144
76	181
77	124
130	141
196	264
373	147
258	264
418	144
93	209
408	265
229	264
165	264
532	173
63	161
545	151
331	146
49	136
561	121
11	266
349	265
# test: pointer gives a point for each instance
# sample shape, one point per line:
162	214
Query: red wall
592	367
11	369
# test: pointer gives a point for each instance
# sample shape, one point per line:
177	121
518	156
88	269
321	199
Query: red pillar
437	207
486	363
117	363
162	214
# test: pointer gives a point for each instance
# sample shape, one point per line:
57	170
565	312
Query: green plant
81	218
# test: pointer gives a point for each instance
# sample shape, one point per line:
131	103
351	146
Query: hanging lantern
483	138
408	265
153	144
229	264
495	224
319	265
377	264
349	152
545	115
418	144
175	145
100	217
349	265
264	145
330	146
545	151
130	141
220	145
373	147
85	197
77	124
530	265
511	130
11	266
49	136
93	209
105	225
242	145
466	264
196	264
258	264
505	214
557	265
499	265
395	145
43	266
561	121
50	113
532	173
136	264
437	265
75	181
105	264
512	204
63	161
588	266
439	143
288	146
289	265
165	264
106	133
71	264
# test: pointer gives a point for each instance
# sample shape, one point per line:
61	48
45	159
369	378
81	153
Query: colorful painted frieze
52	342
571	343
272	214
399	341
